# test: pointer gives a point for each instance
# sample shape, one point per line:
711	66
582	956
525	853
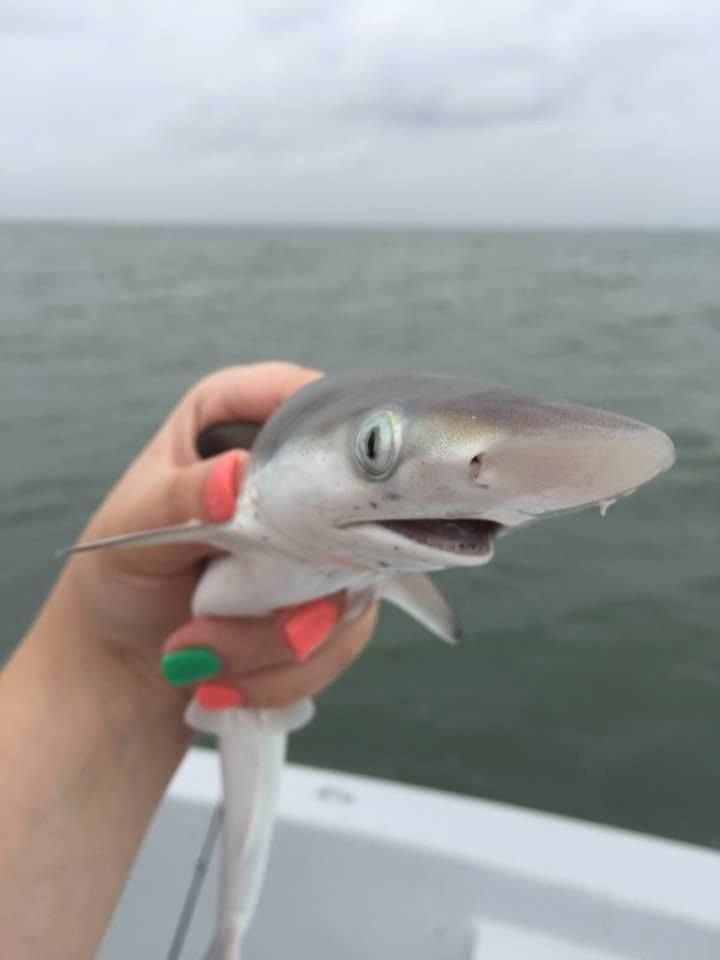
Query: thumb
205	491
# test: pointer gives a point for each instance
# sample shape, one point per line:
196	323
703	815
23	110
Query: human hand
135	602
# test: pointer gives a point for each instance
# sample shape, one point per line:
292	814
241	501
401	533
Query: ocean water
589	679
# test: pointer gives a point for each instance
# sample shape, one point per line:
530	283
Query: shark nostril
475	470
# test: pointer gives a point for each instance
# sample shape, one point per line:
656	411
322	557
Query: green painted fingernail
190	665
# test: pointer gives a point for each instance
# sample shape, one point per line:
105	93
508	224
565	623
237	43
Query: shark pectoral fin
191	532
417	595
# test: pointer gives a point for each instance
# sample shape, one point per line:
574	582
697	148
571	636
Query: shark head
421	471
416	472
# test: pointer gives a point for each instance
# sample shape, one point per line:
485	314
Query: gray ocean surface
589	679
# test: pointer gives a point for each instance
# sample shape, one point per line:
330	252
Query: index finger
250	393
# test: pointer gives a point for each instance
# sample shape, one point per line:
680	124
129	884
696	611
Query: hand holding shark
139	600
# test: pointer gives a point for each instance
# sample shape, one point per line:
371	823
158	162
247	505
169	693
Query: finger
282	685
250	393
246	644
241	645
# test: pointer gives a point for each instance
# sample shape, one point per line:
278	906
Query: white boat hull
364	869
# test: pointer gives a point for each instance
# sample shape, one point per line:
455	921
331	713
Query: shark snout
576	465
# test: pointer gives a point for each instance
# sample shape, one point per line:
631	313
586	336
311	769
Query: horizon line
360	224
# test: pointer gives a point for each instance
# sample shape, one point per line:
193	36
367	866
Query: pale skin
90	731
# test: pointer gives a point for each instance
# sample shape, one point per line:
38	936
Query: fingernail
190	665
307	627
221	488
218	696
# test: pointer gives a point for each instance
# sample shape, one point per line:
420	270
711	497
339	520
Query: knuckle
211	379
176	497
271	699
196	395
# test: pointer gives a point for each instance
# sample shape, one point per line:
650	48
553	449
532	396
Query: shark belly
257	581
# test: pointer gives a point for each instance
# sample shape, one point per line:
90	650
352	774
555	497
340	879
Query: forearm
86	752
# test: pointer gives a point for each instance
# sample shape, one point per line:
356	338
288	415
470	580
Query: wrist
92	744
72	701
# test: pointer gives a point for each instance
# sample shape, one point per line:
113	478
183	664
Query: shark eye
377	445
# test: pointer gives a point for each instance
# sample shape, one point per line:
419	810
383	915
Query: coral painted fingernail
218	696
190	665
221	487
307	627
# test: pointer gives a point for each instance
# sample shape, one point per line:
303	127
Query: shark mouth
469	537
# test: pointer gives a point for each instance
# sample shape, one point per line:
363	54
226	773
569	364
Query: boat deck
364	869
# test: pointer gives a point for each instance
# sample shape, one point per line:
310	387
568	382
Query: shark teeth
464	536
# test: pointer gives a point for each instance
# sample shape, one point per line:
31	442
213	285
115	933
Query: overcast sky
469	111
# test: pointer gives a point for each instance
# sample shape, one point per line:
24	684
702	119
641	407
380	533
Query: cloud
434	66
472	89
387	63
367	100
27	20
